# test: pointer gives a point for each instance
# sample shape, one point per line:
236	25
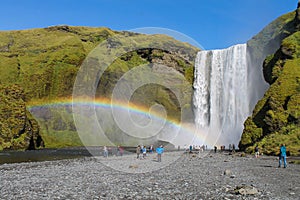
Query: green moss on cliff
46	61
271	36
18	130
276	117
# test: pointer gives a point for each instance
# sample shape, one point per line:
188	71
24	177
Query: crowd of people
142	151
118	151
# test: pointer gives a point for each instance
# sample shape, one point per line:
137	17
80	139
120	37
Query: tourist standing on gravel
105	152
120	151
191	148
256	152
144	150
159	151
151	149
282	155
138	151
233	148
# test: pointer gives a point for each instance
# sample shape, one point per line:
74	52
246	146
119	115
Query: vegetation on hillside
18	129
45	63
276	118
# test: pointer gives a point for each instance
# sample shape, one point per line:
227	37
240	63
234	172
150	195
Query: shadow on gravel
269	166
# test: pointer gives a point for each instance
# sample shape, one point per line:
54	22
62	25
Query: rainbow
198	138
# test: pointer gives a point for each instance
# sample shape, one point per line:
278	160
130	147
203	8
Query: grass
276	118
45	62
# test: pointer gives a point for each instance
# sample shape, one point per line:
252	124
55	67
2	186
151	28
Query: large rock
246	190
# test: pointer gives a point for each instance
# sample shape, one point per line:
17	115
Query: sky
214	24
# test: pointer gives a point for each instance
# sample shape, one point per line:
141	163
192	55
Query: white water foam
221	100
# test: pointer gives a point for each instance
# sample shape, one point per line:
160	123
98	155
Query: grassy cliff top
42	59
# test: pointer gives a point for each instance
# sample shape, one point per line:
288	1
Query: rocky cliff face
45	63
276	118
18	129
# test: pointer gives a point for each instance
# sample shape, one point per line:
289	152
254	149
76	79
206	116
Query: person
282	155
256	152
151	149
121	150
215	149
191	148
144	150
105	152
185	148
118	151
233	148
109	151
138	151
159	150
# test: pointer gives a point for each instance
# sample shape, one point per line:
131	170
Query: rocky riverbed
178	176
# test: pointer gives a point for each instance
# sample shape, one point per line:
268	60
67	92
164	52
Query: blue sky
212	23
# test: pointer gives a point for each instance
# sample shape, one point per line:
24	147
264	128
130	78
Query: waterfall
221	100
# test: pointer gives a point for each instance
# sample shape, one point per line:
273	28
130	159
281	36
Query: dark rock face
18	129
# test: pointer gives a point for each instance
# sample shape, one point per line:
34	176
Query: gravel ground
186	177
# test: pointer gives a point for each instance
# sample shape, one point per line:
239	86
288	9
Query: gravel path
186	177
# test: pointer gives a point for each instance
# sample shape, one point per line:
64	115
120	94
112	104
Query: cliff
43	64
275	119
18	129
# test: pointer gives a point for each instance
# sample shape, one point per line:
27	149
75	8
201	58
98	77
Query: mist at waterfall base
222	93
115	125
222	101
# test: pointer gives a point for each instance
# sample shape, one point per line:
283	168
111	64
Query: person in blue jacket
159	150
282	155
